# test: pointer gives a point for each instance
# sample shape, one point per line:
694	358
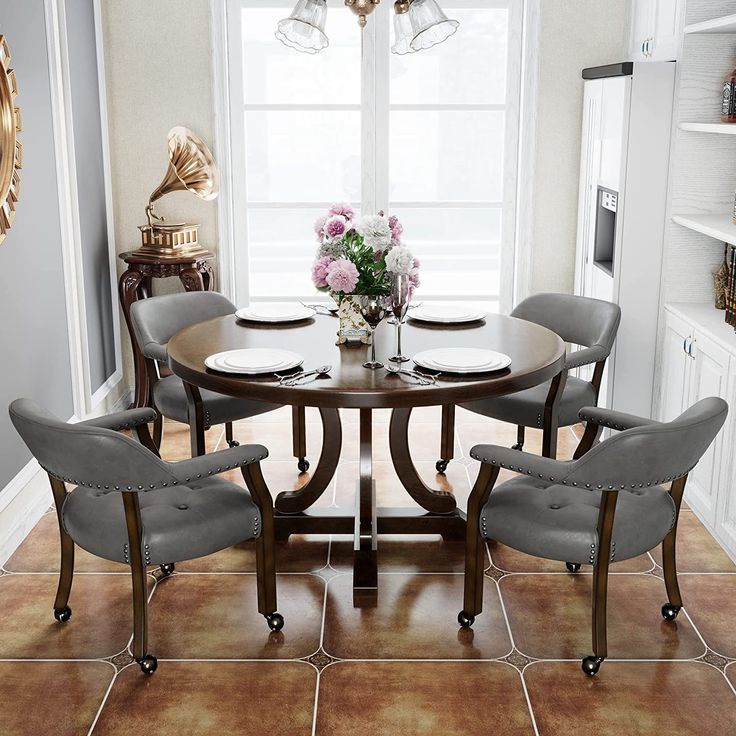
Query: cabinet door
641	18
665	44
709	376
725	526
676	363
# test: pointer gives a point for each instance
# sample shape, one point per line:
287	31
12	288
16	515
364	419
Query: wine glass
373	309
399	305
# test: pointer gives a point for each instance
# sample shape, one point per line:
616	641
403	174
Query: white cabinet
697	363
654	29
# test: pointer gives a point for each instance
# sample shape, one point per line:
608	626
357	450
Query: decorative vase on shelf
353	328
720	282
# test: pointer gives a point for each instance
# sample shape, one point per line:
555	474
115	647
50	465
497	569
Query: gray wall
34	348
80	27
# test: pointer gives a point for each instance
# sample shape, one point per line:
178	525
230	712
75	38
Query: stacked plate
275	313
445	314
462	360
254	361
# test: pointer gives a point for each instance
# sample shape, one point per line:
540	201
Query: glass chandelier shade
403	33
304	29
430	25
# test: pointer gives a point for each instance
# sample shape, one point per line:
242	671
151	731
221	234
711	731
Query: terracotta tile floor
397	664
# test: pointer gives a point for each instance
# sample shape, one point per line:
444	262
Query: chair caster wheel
669	612
233	443
62	614
148	664
518	446
166	569
573	566
591	665
465	619
303	465
275	621
441	466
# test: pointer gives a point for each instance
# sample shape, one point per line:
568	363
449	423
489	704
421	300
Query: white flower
400	260
375	231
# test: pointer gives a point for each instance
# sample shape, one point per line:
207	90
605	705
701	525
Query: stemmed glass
373	309
399	305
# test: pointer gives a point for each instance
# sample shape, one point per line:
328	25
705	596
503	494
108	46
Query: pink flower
319	271
319	228
343	209
397	228
414	281
342	276
335	226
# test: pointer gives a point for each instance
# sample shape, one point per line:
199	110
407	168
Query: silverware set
297	378
423	378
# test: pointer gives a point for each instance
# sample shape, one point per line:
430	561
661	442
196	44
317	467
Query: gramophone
191	167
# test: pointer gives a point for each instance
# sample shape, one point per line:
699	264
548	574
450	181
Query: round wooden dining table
537	355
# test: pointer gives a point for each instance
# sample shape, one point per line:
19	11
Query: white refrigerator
627	121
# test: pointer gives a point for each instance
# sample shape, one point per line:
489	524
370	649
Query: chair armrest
121	420
613	419
155	351
523	462
586	356
217	462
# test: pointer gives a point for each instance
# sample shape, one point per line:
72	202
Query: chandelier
418	24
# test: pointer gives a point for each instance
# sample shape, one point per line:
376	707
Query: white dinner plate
445	314
462	360
275	313
252	361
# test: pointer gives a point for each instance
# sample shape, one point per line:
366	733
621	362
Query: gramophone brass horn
191	167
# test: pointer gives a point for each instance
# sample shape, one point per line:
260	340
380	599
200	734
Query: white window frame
230	143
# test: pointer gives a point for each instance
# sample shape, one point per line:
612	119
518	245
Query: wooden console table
195	273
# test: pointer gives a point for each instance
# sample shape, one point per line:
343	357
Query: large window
431	137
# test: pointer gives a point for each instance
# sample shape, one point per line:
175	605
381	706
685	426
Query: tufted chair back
158	319
576	319
650	455
85	455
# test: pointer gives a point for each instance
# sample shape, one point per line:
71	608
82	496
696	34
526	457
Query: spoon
423	380
323	370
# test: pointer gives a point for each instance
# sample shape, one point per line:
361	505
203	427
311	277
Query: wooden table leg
128	289
365	550
294	502
439	502
192	279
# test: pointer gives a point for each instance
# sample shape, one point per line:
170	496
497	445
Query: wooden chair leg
147	662
62	612
299	437
158	430
606	514
447	440
196	419
520	433
551	419
669	557
229	437
589	438
475	546
265	546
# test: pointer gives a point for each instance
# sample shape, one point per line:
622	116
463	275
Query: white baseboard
28	497
24	500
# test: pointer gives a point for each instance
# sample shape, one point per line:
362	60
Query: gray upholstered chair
589	323
604	507
155	321
130	506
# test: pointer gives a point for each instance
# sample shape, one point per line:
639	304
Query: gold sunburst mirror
10	148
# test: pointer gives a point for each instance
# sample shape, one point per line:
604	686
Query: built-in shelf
720	227
707	319
722	128
726	24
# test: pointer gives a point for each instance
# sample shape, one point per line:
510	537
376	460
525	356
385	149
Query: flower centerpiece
357	256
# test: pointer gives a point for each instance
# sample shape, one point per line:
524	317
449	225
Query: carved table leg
294	502
191	279
208	276
438	502
128	289
365	550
